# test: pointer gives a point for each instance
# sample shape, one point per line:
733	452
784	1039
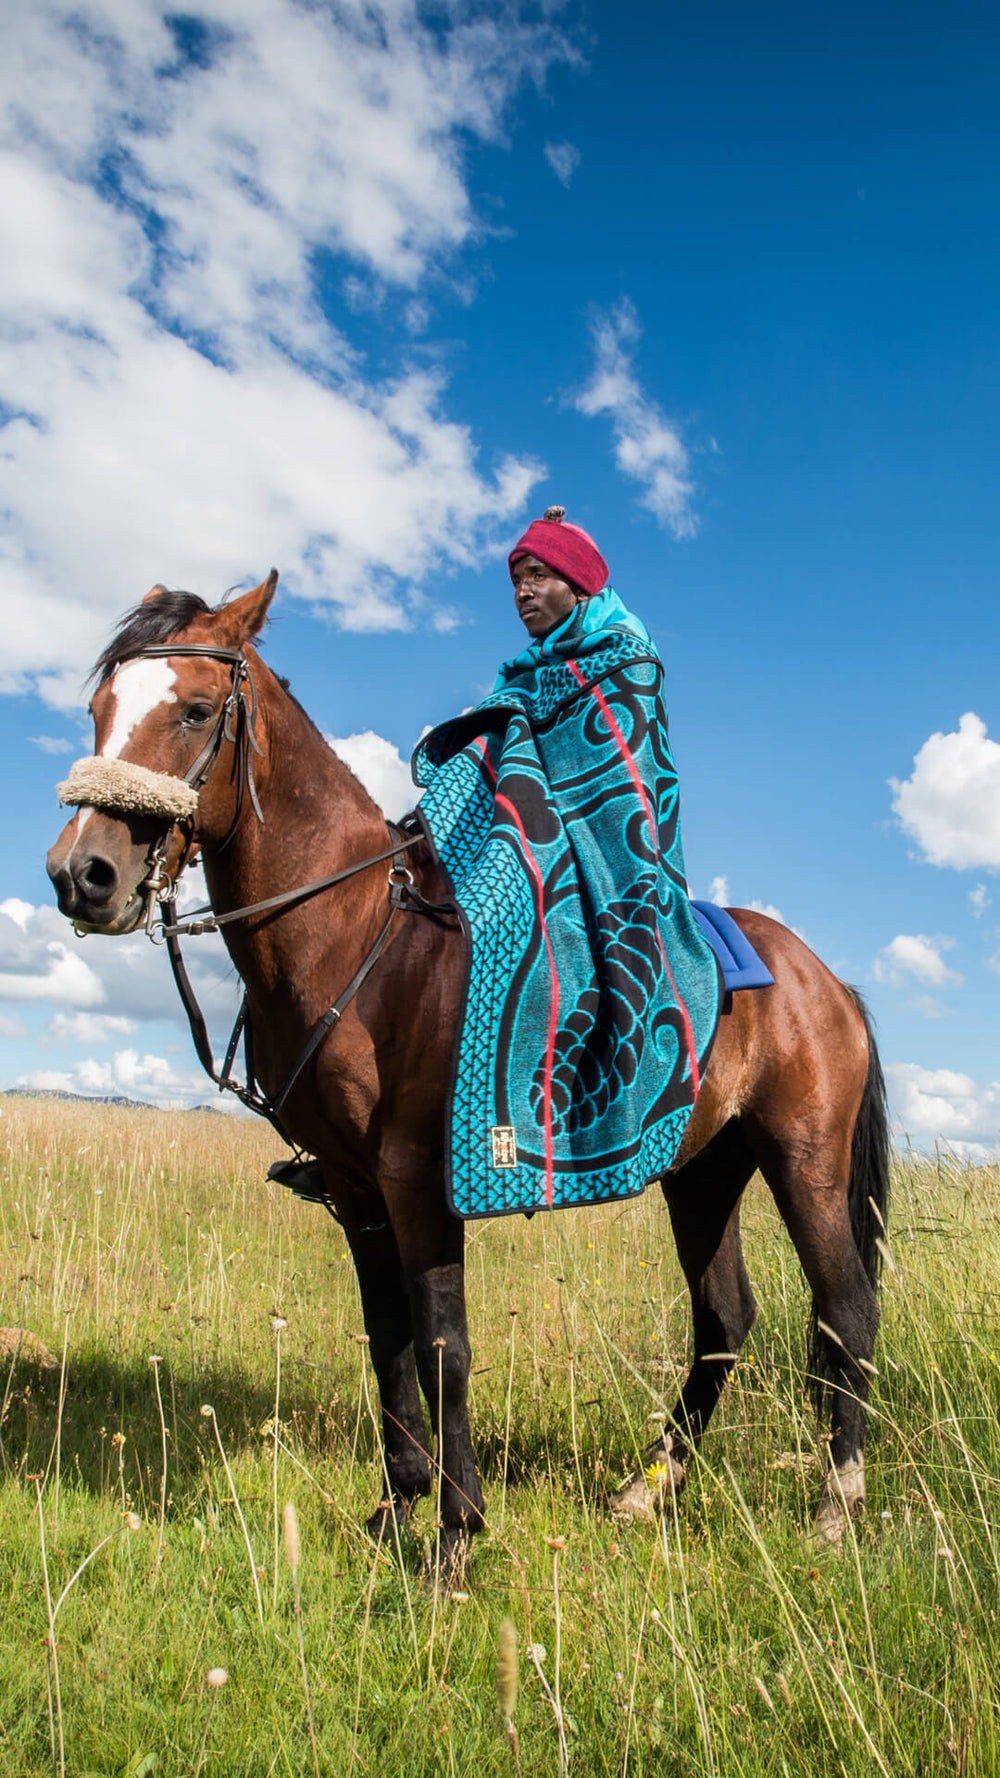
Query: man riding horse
592	995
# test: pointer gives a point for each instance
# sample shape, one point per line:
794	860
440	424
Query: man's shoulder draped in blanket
592	996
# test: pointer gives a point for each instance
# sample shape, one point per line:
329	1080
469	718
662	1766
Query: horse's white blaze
137	688
82	817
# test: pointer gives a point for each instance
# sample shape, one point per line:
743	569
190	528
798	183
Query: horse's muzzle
88	890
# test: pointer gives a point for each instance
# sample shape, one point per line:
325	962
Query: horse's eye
196	715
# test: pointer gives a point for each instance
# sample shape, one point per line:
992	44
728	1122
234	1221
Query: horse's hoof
446	1562
843	1496
634	1501
644	1493
829	1525
832	1517
388	1519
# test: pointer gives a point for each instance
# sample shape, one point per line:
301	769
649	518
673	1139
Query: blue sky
358	291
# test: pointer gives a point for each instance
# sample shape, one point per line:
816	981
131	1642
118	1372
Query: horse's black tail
868	1185
868	1191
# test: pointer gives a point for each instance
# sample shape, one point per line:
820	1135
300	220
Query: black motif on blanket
592	994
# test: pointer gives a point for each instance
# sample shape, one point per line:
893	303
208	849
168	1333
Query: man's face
542	600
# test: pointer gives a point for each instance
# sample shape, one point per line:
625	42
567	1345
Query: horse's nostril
96	877
62	882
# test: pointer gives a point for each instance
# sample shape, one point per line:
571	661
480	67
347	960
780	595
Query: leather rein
236	723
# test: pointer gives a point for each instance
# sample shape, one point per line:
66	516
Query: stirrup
302	1175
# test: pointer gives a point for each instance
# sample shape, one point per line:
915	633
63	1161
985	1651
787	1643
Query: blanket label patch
503	1138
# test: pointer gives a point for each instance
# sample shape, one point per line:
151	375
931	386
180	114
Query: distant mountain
103	1099
77	1098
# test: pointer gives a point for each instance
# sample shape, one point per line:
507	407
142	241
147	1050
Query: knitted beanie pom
566	549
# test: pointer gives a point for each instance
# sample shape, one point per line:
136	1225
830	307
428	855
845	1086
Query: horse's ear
154	592
244	618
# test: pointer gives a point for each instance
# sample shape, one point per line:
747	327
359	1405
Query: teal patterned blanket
592	995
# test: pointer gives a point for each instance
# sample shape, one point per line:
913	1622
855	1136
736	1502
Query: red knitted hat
565	548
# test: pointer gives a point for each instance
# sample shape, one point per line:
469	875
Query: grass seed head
765	1694
507	1669
291	1526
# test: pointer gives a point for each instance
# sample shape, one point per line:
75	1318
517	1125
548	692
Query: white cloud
916	955
42	959
720	891
37	964
18	911
768	908
979	899
382	769
563	158
52	743
928	1007
938	1104
162	348
648	446
128	1074
950	804
88	1027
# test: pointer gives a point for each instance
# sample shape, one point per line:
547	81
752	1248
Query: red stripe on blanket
633	772
550	1046
490	773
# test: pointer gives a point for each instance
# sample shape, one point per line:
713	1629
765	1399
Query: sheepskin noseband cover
127	789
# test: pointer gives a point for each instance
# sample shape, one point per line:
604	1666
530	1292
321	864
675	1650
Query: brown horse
793	1088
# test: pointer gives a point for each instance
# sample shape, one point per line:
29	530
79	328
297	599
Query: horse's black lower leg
810	1187
389	1326
704	1204
703	1198
443	1355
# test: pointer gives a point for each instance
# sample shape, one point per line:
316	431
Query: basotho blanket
592	995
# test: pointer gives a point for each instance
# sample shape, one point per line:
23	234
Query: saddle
741	967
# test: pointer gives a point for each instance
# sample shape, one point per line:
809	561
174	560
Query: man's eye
196	715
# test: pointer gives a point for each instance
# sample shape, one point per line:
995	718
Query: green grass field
148	1255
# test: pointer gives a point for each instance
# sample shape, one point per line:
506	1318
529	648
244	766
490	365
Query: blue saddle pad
741	967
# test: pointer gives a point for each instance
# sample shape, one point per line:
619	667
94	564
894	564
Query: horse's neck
318	818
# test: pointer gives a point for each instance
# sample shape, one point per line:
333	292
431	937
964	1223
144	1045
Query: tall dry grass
717	1641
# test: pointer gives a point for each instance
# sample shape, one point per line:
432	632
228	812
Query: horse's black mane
153	622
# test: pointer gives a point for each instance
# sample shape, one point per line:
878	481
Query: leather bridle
236	724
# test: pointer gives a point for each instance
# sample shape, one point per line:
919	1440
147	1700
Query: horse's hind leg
811	1183
389	1326
703	1198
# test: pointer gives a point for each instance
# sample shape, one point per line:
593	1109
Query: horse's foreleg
443	1354
703	1198
389	1326
810	1187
